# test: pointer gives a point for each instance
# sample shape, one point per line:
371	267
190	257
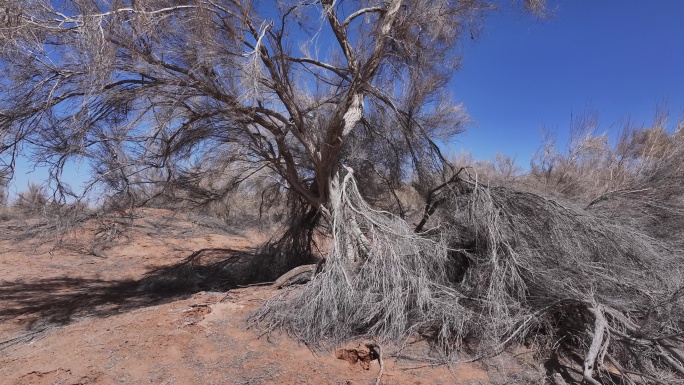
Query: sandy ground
71	313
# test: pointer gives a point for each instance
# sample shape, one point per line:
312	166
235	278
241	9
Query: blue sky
619	58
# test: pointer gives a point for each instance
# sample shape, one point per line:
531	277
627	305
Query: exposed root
594	358
299	274
377	351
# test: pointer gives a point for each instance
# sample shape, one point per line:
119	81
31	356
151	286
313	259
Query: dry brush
504	266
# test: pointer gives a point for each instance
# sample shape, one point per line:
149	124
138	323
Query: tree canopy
177	91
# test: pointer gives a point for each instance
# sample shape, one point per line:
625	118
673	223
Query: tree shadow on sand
62	300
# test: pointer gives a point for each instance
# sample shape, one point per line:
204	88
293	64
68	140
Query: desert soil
74	313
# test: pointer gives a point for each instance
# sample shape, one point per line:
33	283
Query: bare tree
171	91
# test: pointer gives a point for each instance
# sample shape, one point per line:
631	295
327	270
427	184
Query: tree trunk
313	203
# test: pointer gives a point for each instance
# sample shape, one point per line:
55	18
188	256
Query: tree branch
360	12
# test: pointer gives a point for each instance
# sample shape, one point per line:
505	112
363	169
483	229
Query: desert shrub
584	169
3	196
500	171
32	201
653	200
35	202
7	213
579	275
256	200
506	265
591	167
41	218
257	203
637	181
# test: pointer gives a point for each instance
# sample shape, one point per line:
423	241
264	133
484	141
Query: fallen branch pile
503	266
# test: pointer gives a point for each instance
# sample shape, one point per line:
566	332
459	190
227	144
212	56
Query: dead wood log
298	275
674	364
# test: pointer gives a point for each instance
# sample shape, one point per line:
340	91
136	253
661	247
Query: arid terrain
87	310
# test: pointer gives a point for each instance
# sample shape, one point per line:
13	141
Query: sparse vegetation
33	201
582	254
590	271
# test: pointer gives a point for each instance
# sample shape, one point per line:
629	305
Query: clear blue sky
618	57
